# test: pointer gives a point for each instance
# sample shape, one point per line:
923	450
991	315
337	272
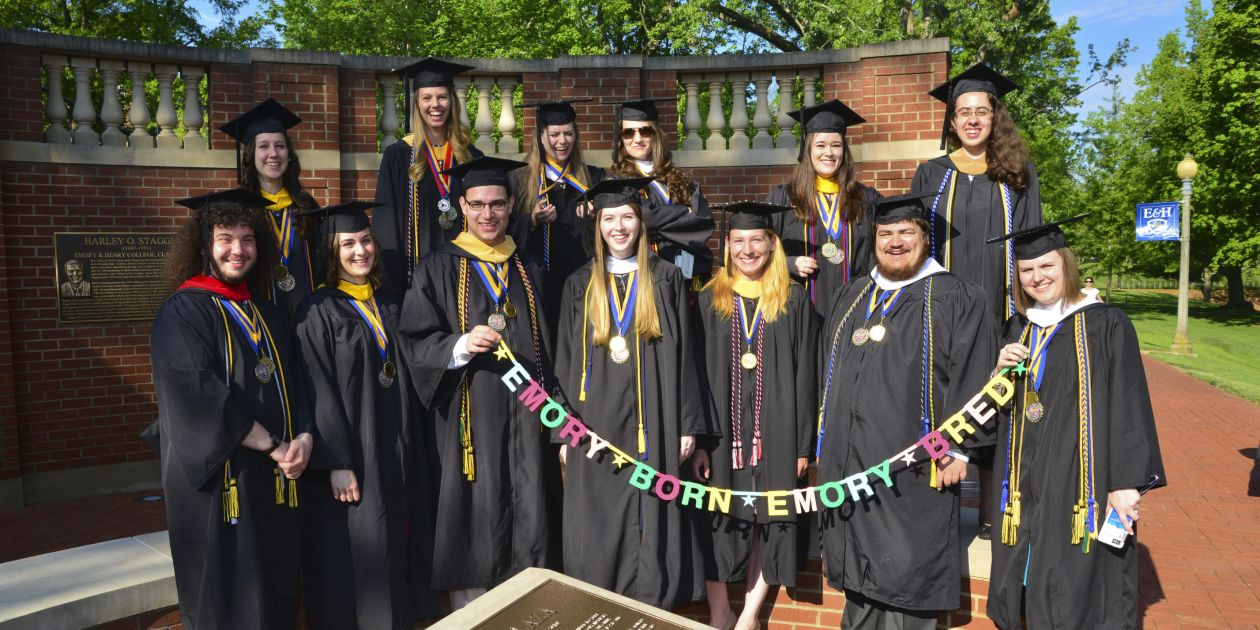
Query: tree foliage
153	21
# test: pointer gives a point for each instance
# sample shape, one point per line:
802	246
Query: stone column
463	89
389	108
84	113
55	109
739	112
138	114
691	120
761	116
716	122
193	118
811	85
111	110
787	88
485	124
166	117
507	116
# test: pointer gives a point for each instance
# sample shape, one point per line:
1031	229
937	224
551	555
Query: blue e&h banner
1160	221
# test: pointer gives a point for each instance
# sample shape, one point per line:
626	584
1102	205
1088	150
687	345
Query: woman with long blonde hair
760	334
625	365
826	236
419	204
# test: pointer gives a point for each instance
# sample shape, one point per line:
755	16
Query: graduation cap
247	198
643	109
268	116
1036	241
428	72
902	208
977	78
484	171
556	112
832	116
348	217
610	193
750	215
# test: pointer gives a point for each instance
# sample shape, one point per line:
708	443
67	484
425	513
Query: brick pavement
1200	564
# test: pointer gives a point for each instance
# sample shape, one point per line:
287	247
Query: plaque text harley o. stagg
110	276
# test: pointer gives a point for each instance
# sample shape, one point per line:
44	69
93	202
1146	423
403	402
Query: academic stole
469	466
752	332
371	314
1008	220
436	166
1084	511
627	309
833	354
553	176
254	326
286	234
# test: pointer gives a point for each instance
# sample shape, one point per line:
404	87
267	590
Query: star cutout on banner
749	499
502	353
620	459
908	458
1020	368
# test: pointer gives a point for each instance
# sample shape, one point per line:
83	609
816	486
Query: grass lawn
1226	343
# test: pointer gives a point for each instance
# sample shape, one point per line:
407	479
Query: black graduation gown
1065	587
360	576
977	217
616	536
227	576
676	227
827	281
489	529
302	265
570	241
900	546
789	406
391	223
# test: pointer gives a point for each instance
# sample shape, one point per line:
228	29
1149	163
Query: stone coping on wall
95	584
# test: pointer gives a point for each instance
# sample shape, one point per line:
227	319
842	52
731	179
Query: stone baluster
389	108
464	91
111	110
739	112
787	87
716	122
193	118
166	117
507	116
138	115
691	120
811	84
84	113
485	124
761	115
55	109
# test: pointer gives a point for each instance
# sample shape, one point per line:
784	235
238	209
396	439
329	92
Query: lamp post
1186	170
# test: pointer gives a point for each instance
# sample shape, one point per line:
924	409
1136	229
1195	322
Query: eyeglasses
629	134
498	205
981	112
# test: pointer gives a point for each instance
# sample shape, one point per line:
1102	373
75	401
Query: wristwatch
275	442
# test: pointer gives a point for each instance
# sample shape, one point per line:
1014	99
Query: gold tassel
1008	532
233	502
279	486
470	468
1015	512
293	498
1078	523
932	474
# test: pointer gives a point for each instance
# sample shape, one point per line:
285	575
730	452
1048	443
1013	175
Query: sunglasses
629	134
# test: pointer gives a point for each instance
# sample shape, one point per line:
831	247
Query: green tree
151	21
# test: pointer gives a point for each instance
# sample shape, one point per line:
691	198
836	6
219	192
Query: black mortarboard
484	171
829	117
268	116
977	78
750	215
1037	241
244	197
348	217
643	109
428	72
610	193
556	112
902	208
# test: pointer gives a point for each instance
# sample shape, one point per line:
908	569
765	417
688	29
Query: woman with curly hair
269	166
826	236
984	188
679	223
419	204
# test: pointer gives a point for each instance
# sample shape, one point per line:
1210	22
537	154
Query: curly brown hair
675	181
190	251
1007	154
302	200
802	189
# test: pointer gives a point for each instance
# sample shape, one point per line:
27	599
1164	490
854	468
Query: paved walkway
1200	537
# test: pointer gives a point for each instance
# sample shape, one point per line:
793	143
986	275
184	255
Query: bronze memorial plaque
109	276
558	606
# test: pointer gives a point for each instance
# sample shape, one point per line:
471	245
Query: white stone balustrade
758	87
470	89
78	123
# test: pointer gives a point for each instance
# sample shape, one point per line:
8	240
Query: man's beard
899	274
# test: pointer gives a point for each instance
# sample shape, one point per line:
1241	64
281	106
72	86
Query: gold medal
748	361
861	336
878	332
284	279
509	309
1033	409
264	369
829	250
497	321
387	374
617	344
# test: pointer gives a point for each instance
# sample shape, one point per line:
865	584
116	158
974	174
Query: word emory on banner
980	409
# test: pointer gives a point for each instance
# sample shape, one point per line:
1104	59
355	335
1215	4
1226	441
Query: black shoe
985	532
